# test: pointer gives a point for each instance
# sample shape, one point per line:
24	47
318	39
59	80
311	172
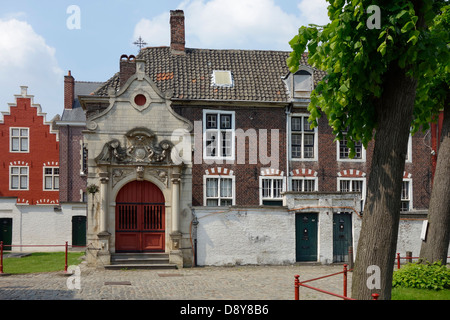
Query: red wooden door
140	218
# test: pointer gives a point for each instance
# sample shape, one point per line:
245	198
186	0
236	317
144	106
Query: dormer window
222	78
303	84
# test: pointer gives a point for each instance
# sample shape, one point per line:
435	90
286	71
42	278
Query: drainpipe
194	234
288	138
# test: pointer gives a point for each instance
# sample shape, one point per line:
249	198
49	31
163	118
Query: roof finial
140	43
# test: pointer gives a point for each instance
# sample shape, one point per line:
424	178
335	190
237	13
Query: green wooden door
306	236
342	236
78	230
6	232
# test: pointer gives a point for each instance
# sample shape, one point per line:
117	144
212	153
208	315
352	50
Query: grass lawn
40	262
399	293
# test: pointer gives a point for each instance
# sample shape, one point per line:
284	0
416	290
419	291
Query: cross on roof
140	43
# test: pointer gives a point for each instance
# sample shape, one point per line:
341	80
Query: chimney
177	40
69	91
127	68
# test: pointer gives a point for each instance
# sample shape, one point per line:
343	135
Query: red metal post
65	266
375	296
297	288
345	280
398	260
1	256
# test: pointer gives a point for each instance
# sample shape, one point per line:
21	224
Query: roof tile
257	74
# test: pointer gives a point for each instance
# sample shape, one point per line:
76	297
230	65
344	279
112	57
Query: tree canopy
387	66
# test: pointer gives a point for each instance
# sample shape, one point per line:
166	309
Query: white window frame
410	194
20	137
351	179
53	176
271	197
19	175
303	179
219	197
219	146
302	133
338	153
83	159
409	150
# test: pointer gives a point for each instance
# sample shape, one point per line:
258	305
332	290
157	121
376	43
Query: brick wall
177	31
71	181
327	166
246	175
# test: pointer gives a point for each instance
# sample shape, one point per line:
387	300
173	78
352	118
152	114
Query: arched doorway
140	218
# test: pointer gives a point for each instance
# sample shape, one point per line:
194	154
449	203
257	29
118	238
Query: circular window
140	100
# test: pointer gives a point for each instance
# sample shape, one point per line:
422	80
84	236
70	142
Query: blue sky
37	48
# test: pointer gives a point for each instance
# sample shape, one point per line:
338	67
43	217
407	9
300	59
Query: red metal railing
298	284
407	257
66	246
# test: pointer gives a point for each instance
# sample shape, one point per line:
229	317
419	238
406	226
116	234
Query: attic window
303	83
222	78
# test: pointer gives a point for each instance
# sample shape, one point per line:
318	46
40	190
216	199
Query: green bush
422	276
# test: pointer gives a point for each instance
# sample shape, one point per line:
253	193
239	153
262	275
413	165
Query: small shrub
422	276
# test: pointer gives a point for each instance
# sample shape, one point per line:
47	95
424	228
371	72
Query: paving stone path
202	283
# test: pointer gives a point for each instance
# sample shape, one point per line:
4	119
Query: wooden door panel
342	236
127	241
306	236
152	241
140	218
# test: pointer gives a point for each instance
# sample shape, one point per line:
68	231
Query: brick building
73	155
42	187
30	212
30	154
255	183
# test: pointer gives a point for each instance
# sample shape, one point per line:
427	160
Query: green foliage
357	59
400	293
422	276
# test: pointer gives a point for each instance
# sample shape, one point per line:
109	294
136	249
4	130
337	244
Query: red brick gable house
29	146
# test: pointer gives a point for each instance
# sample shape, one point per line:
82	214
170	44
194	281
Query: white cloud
314	12
155	31
27	60
233	24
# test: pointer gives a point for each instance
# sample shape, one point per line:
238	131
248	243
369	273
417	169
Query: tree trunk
378	238
435	246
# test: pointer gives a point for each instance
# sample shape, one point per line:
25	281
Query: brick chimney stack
177	32
127	68
69	91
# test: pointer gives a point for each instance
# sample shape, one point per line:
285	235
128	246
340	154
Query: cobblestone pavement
202	283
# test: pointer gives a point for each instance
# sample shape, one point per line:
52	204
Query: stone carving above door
141	148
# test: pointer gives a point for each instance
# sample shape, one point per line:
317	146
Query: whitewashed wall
40	224
266	235
245	236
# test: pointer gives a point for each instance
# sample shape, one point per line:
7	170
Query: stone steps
140	261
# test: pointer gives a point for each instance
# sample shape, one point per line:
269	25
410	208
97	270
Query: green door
6	232
306	236
79	231
342	236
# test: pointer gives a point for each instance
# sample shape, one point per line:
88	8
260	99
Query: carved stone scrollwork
141	148
140	173
119	174
160	174
91	125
